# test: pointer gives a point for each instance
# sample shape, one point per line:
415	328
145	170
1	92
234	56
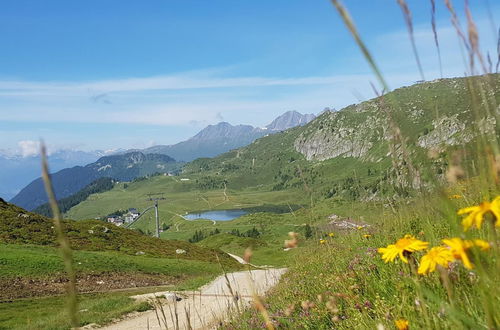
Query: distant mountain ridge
17	170
211	141
217	139
66	182
290	119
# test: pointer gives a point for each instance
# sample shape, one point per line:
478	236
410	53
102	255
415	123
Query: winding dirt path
207	307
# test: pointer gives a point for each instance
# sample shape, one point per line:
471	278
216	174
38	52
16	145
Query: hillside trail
205	308
243	262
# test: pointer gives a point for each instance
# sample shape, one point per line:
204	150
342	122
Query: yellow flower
455	196
367	235
402	324
436	256
460	247
322	241
476	213
331	234
360	227
482	245
405	245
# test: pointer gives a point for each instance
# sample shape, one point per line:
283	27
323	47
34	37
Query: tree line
65	204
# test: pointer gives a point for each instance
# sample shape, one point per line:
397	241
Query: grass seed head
248	255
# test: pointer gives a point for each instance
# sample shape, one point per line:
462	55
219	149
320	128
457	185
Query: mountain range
127	165
222	137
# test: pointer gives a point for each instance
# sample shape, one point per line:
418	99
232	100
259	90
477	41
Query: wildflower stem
443	273
412	262
494	234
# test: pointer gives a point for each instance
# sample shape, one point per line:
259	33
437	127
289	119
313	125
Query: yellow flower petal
458	249
436	256
483	245
475	214
402	324
408	244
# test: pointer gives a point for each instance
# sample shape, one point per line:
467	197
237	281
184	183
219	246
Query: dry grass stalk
293	242
62	239
188	318
158	306
490	63
398	141
409	25
434	31
354	32
258	304
156	313
397	147
474	40
456	23
176	314
498	52
228	284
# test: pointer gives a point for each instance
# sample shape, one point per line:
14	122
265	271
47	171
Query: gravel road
205	308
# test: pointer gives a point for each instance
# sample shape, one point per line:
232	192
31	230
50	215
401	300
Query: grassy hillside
32	270
21	227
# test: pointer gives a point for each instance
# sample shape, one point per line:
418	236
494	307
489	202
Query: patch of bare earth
16	288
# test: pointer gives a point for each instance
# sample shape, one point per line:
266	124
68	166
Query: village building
116	220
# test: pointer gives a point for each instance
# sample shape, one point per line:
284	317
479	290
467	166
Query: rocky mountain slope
431	116
290	119
70	180
223	137
211	141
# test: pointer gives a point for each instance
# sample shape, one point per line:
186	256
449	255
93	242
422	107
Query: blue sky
109	74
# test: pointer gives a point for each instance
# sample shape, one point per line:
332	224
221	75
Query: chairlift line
155	206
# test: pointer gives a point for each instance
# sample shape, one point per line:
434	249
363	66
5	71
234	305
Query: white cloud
29	148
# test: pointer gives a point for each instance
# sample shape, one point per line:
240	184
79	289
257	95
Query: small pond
220	215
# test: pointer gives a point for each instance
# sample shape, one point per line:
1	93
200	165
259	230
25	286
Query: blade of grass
344	14
62	240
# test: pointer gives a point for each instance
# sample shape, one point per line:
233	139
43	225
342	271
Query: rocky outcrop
447	131
341	134
432	115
